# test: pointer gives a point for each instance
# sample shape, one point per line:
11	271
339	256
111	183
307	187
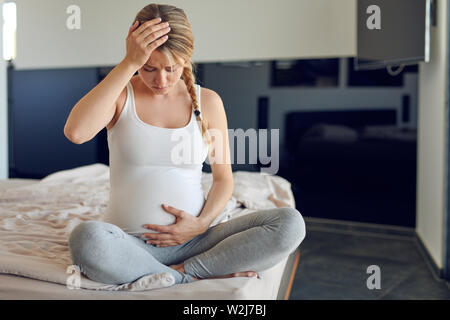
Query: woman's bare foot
180	268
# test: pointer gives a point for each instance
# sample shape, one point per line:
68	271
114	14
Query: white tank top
144	173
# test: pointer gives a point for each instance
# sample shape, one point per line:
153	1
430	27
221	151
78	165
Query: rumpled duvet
36	219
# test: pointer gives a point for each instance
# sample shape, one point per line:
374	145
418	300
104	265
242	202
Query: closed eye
168	70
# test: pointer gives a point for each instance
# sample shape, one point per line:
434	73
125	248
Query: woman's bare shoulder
212	106
120	104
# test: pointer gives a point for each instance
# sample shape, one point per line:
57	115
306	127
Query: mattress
40	204
14	287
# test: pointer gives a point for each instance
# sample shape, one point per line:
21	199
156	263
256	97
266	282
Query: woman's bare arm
223	183
97	108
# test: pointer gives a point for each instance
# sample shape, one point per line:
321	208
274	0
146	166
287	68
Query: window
9	30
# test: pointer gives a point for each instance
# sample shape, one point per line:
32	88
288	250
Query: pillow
330	132
392	132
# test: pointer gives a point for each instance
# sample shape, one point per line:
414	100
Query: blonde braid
188	78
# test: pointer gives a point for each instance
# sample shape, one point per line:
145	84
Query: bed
37	215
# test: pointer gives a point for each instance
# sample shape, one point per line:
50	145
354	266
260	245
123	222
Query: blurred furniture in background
354	165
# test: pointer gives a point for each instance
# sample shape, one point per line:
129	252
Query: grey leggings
253	242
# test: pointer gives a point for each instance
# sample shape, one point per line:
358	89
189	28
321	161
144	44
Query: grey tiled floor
333	265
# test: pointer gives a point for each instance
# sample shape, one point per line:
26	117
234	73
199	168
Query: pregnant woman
157	220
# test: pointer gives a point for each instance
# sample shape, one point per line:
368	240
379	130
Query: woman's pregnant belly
136	198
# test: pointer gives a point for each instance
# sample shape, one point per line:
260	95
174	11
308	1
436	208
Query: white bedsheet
36	219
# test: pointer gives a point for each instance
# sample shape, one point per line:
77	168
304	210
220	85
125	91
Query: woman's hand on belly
184	229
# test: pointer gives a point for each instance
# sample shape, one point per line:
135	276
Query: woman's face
158	75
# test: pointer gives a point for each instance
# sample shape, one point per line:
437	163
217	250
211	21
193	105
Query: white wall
432	141
3	108
223	30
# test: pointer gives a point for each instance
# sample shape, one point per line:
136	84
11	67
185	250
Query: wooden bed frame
288	275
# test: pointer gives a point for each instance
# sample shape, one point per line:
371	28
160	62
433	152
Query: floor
335	255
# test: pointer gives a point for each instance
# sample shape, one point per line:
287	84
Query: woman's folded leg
254	242
105	253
